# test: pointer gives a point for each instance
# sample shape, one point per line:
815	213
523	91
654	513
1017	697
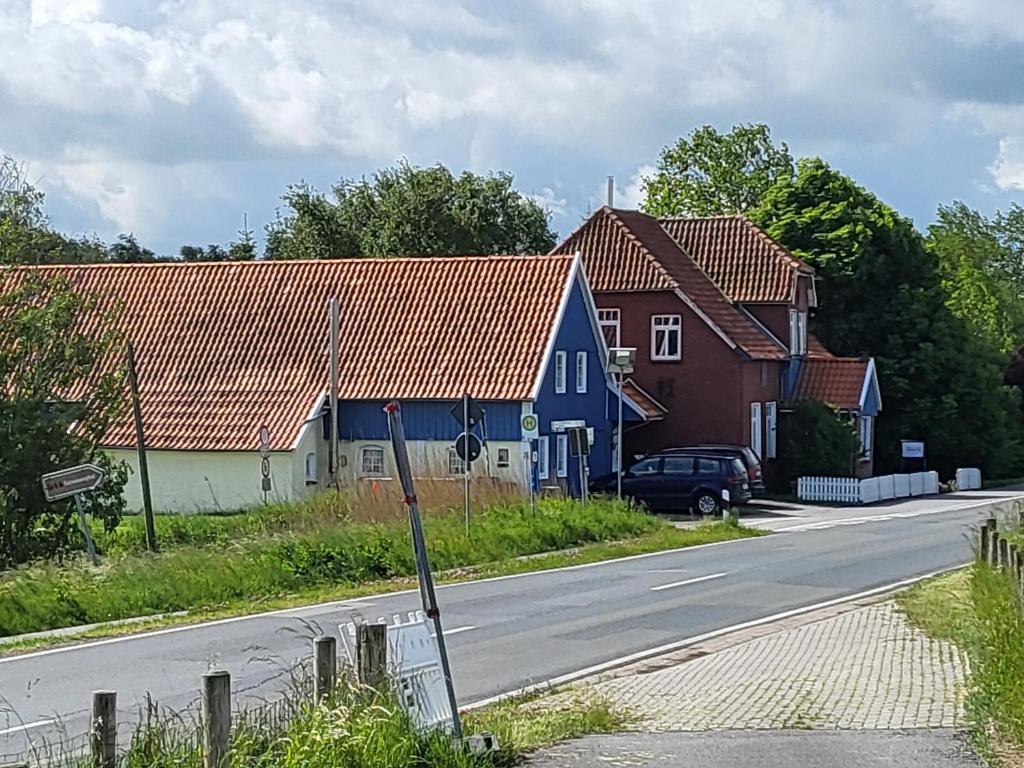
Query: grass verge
214	583
979	609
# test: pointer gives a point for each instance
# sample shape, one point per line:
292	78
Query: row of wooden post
215	696
999	553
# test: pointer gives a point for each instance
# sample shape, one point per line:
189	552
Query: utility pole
335	442
140	439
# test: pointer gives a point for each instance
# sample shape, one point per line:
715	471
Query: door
771	419
679	482
643	482
756	432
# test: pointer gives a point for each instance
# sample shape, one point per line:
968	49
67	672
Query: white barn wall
429	458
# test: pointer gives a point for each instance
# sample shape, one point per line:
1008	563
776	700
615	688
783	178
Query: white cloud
1008	169
551	201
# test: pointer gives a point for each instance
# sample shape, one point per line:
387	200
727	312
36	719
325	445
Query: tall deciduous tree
410	211
709	173
881	294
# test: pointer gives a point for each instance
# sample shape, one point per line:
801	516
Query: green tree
709	173
979	274
816	441
881	294
410	211
61	393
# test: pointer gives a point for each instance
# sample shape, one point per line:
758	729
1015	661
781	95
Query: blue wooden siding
576	334
426	420
790	378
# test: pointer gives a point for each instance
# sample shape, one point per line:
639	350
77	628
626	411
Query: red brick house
718	313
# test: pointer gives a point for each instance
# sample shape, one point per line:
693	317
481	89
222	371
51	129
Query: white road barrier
968	479
850	490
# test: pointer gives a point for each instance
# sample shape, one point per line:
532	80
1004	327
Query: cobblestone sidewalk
867	668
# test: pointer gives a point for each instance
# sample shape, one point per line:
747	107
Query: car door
678	484
709	475
642	481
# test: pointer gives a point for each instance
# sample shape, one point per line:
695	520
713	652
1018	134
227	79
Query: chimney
611	192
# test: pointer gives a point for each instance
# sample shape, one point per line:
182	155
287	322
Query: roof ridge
614	214
776	245
248	263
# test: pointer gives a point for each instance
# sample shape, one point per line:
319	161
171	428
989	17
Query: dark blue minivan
670	481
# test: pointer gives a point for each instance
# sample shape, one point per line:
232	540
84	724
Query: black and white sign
579	441
474	447
476	413
264	442
70	482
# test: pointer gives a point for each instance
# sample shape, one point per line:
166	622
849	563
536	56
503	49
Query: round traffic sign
265	467
474	447
529	422
264	435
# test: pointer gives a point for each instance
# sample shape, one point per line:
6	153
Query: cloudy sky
171	119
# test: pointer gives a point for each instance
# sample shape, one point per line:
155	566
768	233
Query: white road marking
457	630
679	644
689	581
26	726
822	525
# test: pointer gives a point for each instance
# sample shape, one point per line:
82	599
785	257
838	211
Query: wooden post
984	542
372	655
140	439
216	718
1004	554
993	541
325	667
103	734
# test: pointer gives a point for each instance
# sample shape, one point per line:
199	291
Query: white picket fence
851	490
968	479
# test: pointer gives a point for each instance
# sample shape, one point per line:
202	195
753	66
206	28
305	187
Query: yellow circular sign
529	422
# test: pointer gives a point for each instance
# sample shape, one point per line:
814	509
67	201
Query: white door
756	429
771	425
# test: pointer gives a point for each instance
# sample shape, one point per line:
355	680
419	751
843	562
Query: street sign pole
533	486
89	543
466	462
419	543
618	447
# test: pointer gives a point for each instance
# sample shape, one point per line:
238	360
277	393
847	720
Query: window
562	455
645	468
866	435
797	332
543	470
503	458
678	465
708	467
755	429
608	320
560	373
455	464
373	460
771	428
581	372
666	337
310	469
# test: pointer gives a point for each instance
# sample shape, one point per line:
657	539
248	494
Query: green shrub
815	440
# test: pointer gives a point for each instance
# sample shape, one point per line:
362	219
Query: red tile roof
654	410
628	251
739	257
836	381
815	349
224	348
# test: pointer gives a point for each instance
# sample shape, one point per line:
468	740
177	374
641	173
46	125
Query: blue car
670	482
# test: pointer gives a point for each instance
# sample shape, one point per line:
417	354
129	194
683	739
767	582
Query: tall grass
252	569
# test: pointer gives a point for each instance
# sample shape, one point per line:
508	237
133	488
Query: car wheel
706	503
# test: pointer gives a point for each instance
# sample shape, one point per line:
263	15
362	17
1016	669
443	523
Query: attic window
666	337
608	320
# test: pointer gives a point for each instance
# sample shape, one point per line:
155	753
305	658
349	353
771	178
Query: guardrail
851	490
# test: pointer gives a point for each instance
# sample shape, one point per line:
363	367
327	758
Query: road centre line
697	580
457	630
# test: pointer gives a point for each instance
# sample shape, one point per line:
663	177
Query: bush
816	440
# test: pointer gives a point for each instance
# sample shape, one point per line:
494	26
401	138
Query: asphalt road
512	632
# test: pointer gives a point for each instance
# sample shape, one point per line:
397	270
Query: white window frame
311	469
581	373
543	465
756	430
797	332
866	432
771	429
610	318
562	454
456	466
504	459
363	455
560	372
667	324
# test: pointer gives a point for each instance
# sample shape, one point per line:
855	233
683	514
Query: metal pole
465	447
533	472
140	441
426	581
618	450
335	442
89	544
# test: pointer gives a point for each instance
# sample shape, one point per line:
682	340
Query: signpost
468	414
579	446
530	425
912	453
75	481
265	461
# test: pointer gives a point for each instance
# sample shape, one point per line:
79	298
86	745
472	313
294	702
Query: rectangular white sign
912	449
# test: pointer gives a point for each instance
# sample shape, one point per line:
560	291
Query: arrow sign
69	482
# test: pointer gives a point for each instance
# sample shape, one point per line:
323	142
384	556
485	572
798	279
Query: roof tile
224	348
836	381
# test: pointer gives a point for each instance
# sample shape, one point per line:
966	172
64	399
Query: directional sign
531	426
474	447
69	482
